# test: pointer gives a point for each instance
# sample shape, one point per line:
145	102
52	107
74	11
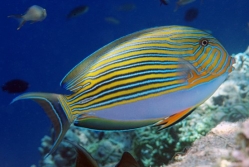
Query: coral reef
157	148
240	155
226	145
105	147
207	150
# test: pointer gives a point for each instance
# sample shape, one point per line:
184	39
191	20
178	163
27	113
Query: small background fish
15	86
77	11
112	20
42	53
191	14
34	14
164	2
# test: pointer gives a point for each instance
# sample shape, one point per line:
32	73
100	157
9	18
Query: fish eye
203	42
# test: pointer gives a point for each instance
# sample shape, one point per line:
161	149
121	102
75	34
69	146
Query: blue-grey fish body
34	14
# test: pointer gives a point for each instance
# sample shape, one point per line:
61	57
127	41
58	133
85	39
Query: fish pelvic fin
57	111
173	119
21	24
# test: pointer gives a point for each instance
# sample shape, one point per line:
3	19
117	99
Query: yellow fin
173	119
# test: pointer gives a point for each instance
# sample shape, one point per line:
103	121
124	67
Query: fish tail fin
20	17
17	16
56	109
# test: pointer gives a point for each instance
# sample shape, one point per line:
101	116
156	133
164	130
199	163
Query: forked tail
56	109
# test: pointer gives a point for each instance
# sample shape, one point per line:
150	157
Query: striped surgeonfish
155	76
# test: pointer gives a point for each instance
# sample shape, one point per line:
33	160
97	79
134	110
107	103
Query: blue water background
42	53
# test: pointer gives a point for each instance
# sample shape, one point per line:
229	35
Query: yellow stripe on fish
156	76
138	62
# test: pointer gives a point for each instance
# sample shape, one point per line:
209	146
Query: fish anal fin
93	122
173	119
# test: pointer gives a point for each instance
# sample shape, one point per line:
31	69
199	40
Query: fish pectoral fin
190	72
187	66
93	122
173	119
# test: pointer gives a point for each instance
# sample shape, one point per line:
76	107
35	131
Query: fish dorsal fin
127	160
75	74
173	119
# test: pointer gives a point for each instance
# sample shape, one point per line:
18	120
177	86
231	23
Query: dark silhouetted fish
77	11
15	86
127	160
191	14
164	2
84	159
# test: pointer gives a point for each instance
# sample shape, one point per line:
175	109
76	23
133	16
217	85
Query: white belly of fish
162	106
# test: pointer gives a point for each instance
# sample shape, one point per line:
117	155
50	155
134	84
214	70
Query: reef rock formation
226	145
